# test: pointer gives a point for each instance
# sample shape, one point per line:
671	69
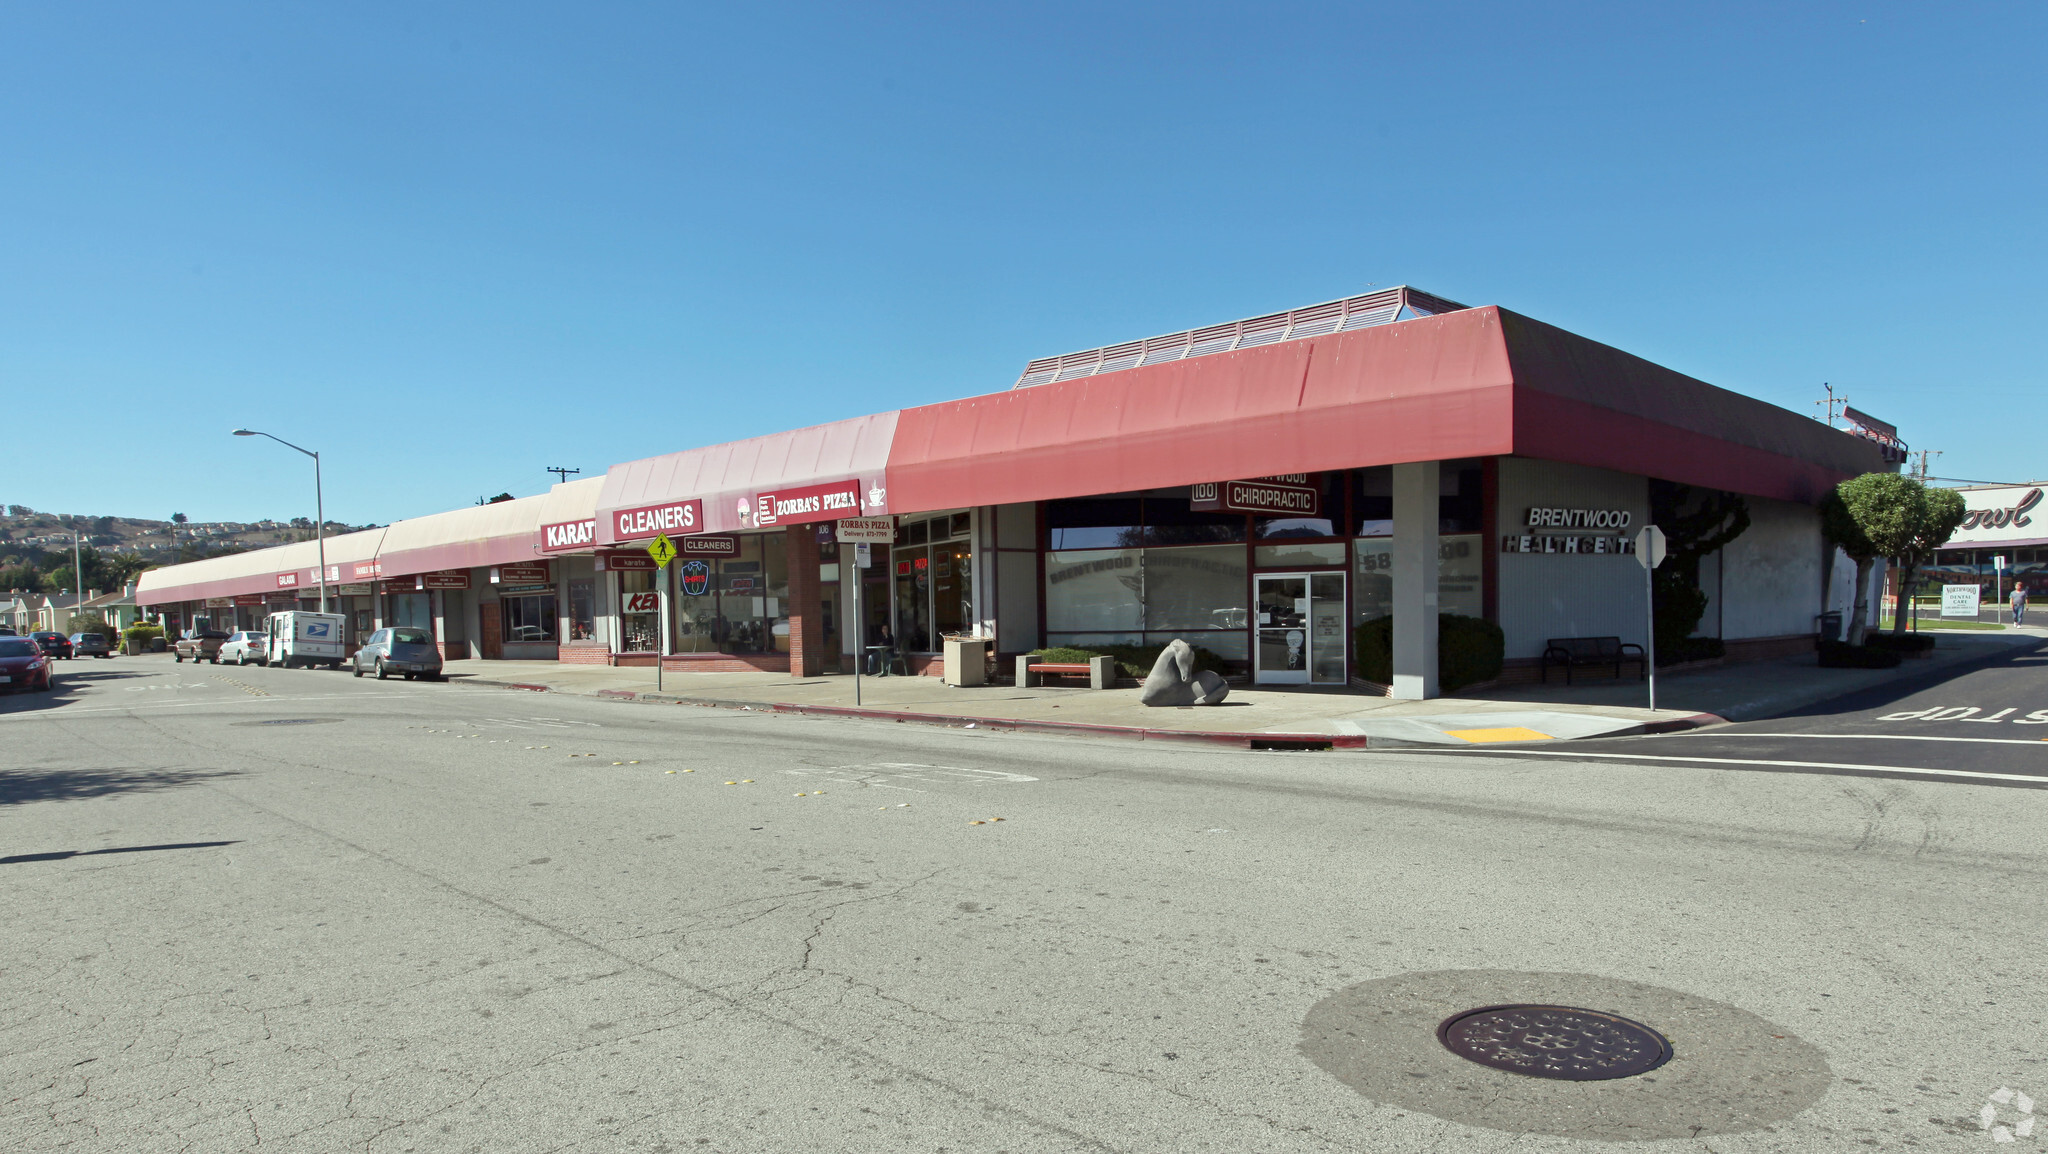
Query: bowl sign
696	577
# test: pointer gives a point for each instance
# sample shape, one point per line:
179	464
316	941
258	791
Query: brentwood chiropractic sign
651	520
1288	495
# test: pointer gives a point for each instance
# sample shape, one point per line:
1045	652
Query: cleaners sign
651	520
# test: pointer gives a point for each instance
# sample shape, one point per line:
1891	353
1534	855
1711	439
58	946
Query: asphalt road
287	909
1983	725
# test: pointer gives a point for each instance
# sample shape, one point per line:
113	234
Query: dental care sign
673	517
568	535
828	502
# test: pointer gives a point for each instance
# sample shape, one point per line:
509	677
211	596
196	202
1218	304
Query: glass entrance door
1298	629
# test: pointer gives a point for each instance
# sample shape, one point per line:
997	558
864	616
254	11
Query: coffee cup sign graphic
696	577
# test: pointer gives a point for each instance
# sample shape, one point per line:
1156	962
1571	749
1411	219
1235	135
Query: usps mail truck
299	638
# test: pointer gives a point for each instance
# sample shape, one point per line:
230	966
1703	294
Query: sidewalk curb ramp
1310	742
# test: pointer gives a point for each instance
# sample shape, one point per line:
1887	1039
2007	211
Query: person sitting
883	653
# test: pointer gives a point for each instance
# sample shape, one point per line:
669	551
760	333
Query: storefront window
1201	587
1460	582
933	581
639	612
413	609
1300	555
582	609
735	604
1159	517
1094	590
529	618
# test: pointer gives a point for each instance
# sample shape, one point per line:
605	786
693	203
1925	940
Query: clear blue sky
452	244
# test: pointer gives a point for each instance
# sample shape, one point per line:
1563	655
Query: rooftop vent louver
1377	308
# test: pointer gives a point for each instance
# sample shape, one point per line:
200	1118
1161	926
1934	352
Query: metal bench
1100	671
1571	653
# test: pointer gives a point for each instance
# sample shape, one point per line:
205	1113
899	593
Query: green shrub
142	633
1469	650
1134	661
1690	649
1842	655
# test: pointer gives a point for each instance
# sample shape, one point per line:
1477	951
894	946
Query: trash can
966	660
1830	625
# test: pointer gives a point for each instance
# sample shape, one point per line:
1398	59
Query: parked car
400	650
246	646
91	645
54	644
23	664
200	645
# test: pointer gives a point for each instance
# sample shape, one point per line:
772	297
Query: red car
23	664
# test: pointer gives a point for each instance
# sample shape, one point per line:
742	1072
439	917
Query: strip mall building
1258	488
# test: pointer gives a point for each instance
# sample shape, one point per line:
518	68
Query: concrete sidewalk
1294	717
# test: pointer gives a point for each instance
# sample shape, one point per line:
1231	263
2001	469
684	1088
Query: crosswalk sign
662	550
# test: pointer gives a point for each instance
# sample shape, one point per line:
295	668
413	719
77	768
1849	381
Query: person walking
2019	603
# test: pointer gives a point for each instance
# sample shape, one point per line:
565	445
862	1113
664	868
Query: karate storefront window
582	609
639	617
736	604
529	618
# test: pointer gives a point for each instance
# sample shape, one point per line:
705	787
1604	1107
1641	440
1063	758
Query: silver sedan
403	650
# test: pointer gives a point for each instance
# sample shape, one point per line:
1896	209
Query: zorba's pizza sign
827	502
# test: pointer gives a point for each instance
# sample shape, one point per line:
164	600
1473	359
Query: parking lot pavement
1986	725
292	910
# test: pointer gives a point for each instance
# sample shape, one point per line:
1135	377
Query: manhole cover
293	721
1554	1042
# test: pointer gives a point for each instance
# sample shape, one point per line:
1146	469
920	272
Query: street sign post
860	532
1998	586
1650	550
663	551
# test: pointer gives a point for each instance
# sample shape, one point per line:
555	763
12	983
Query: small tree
177	518
92	623
1868	517
1693	530
1941	511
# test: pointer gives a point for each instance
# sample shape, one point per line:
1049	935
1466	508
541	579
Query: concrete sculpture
1174	680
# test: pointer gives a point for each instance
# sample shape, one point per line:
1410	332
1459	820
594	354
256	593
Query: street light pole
319	507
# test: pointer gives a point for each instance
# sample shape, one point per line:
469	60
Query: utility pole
561	472
1832	403
1920	470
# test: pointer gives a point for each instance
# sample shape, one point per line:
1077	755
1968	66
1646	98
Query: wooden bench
1100	671
1590	652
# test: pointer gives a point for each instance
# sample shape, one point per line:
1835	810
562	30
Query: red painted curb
1138	733
1679	724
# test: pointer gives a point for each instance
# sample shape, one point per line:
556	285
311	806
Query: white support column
1415	580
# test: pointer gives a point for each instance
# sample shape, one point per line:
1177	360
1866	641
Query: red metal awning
1470	383
729	480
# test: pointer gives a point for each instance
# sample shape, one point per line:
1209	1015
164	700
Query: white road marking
1899	769
2037	743
877	775
62	712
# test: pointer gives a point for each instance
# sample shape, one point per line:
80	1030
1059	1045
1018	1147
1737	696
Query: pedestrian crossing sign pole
663	551
1650	546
